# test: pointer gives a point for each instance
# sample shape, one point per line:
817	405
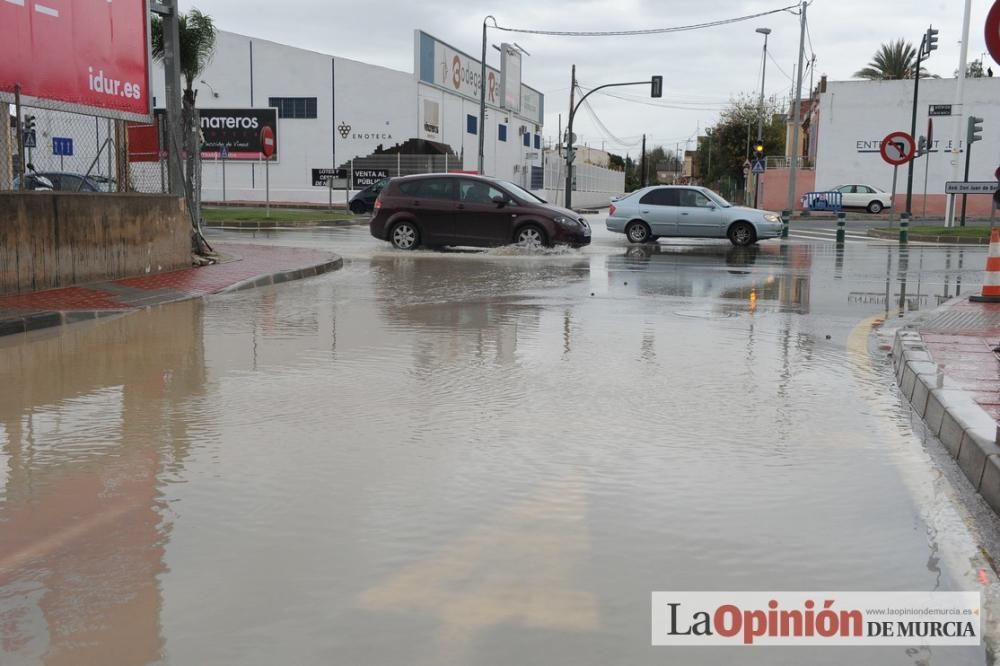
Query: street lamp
482	96
760	117
209	86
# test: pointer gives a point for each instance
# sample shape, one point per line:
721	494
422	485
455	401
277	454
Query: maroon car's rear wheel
404	236
531	235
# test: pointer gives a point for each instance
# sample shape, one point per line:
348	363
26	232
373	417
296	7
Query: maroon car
456	209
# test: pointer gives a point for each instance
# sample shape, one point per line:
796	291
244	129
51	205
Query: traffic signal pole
656	91
913	123
959	104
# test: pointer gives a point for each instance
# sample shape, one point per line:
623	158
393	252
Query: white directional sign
981	187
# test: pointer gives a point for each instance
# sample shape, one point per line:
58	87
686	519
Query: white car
873	199
692	212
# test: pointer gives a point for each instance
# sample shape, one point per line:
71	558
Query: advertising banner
235	134
365	177
510	78
88	56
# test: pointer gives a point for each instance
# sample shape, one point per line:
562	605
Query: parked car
364	201
693	212
457	209
68	182
873	199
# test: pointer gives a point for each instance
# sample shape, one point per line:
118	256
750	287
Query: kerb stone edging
950	413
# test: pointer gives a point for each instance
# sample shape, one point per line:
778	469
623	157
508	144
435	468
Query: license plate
586	232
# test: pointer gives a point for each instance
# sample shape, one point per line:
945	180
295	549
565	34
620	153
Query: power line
649	31
779	67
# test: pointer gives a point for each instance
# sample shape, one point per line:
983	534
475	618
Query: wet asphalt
479	457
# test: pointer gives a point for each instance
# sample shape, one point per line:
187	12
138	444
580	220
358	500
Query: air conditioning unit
522	130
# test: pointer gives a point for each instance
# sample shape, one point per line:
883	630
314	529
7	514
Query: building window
470	124
502	132
538	142
294	107
526	140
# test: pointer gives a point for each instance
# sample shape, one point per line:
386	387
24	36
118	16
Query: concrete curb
966	430
257	225
285	276
893	234
40	320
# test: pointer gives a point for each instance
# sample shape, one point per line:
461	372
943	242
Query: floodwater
476	458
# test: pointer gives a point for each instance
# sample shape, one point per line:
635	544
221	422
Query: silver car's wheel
404	236
638	232
742	234
875	207
530	236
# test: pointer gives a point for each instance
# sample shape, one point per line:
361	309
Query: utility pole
167	9
569	140
793	162
644	182
959	104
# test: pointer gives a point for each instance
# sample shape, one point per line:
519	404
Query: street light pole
482	98
760	117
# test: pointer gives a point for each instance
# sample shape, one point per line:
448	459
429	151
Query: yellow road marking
520	568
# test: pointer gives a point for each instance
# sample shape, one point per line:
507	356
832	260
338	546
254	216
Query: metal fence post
786	216
399	162
904	228
841	227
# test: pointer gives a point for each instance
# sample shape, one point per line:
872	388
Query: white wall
856	115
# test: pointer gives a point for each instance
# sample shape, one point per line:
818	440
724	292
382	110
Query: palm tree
895	60
197	42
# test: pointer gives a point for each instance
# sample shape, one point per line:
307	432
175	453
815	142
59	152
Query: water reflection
88	444
744	275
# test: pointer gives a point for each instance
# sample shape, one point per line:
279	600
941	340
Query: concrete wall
774	190
56	239
856	115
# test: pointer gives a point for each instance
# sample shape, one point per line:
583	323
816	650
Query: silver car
688	211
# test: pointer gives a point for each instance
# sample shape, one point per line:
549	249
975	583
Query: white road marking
48	11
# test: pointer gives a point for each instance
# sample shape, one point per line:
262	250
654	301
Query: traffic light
922	146
930	41
657	87
975	132
29	124
759	150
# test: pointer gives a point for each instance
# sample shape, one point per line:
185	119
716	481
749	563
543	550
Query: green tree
728	142
974	70
894	60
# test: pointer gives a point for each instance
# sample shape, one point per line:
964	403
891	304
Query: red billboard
77	55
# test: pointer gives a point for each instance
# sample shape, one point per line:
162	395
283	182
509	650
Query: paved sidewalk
246	266
960	340
947	370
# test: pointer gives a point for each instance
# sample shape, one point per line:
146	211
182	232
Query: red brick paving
967	356
251	261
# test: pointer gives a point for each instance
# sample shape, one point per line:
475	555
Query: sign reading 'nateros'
238	131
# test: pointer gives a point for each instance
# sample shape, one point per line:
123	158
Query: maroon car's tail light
378	204
612	210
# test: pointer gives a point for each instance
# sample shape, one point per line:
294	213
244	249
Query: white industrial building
333	110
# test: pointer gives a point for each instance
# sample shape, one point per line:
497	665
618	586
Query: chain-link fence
73	152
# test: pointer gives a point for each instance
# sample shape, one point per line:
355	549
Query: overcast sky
702	69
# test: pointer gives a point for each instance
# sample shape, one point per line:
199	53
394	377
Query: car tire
742	234
358	208
404	236
875	207
531	235
638	232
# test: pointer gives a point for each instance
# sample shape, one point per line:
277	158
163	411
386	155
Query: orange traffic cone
991	283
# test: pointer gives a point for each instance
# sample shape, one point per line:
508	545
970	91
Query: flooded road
476	458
